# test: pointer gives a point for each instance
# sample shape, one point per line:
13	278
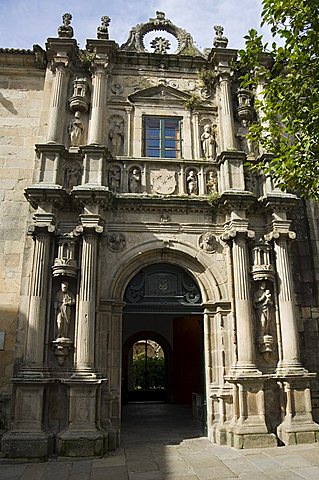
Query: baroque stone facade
136	214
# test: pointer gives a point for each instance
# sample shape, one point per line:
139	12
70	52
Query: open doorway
163	340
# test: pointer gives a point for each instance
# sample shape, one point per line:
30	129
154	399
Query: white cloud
25	22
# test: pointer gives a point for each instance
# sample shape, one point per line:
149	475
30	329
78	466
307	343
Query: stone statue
75	129
62	305
212	182
115	179
116	136
208	142
192	183
72	176
135	181
263	304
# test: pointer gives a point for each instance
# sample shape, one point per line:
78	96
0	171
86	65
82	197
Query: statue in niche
72	176
192	183
75	130
115	179
263	303
116	136
62	306
208	140
135	180
212	182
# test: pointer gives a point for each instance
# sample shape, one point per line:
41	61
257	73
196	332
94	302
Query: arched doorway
164	305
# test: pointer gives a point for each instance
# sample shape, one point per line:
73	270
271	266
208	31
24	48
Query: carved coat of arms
163	181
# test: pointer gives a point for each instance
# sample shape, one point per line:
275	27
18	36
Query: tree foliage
150	378
288	119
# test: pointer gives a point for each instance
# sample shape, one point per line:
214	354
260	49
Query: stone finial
65	30
103	29
220	41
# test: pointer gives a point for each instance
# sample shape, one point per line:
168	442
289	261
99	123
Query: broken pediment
159	93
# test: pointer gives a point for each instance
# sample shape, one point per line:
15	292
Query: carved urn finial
103	29
65	30
220	41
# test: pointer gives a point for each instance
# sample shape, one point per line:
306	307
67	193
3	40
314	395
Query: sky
27	22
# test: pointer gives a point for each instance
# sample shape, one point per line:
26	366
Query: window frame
162	138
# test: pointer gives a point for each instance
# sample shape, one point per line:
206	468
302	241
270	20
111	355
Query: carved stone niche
208	138
114	178
116	135
262	268
79	102
65	264
211	181
263	301
192	181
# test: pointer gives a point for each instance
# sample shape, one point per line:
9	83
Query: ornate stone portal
141	203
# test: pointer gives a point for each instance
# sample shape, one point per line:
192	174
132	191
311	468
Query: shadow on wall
8	105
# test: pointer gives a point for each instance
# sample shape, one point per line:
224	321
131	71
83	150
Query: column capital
238	229
60	63
280	235
90	225
44	224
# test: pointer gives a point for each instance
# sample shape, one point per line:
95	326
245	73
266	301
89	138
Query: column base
294	432
81	444
252	440
37	445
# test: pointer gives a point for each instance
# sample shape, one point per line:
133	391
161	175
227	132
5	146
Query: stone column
244	317
37	316
226	112
289	329
58	104
85	329
98	100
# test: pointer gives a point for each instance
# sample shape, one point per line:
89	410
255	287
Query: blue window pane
153	143
170	154
170	144
152	152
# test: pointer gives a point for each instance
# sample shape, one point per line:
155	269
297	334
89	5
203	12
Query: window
162	137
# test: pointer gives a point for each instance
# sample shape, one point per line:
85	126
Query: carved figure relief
116	135
75	130
211	182
135	180
192	183
116	241
72	175
208	242
115	179
208	141
62	306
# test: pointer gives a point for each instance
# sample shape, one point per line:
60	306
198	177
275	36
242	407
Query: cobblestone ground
161	442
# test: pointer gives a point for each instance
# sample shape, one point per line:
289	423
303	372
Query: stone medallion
208	242
116	241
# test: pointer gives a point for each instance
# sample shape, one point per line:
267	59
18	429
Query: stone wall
21	93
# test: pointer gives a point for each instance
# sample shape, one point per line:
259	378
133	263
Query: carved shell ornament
135	41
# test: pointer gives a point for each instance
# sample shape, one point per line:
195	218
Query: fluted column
243	307
58	103
85	331
226	112
98	99
34	350
289	330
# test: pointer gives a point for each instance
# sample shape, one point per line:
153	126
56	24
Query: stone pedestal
248	428
297	425
82	437
27	439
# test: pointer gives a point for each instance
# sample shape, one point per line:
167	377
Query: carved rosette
208	242
116	241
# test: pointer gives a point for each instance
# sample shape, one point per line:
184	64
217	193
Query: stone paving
162	442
